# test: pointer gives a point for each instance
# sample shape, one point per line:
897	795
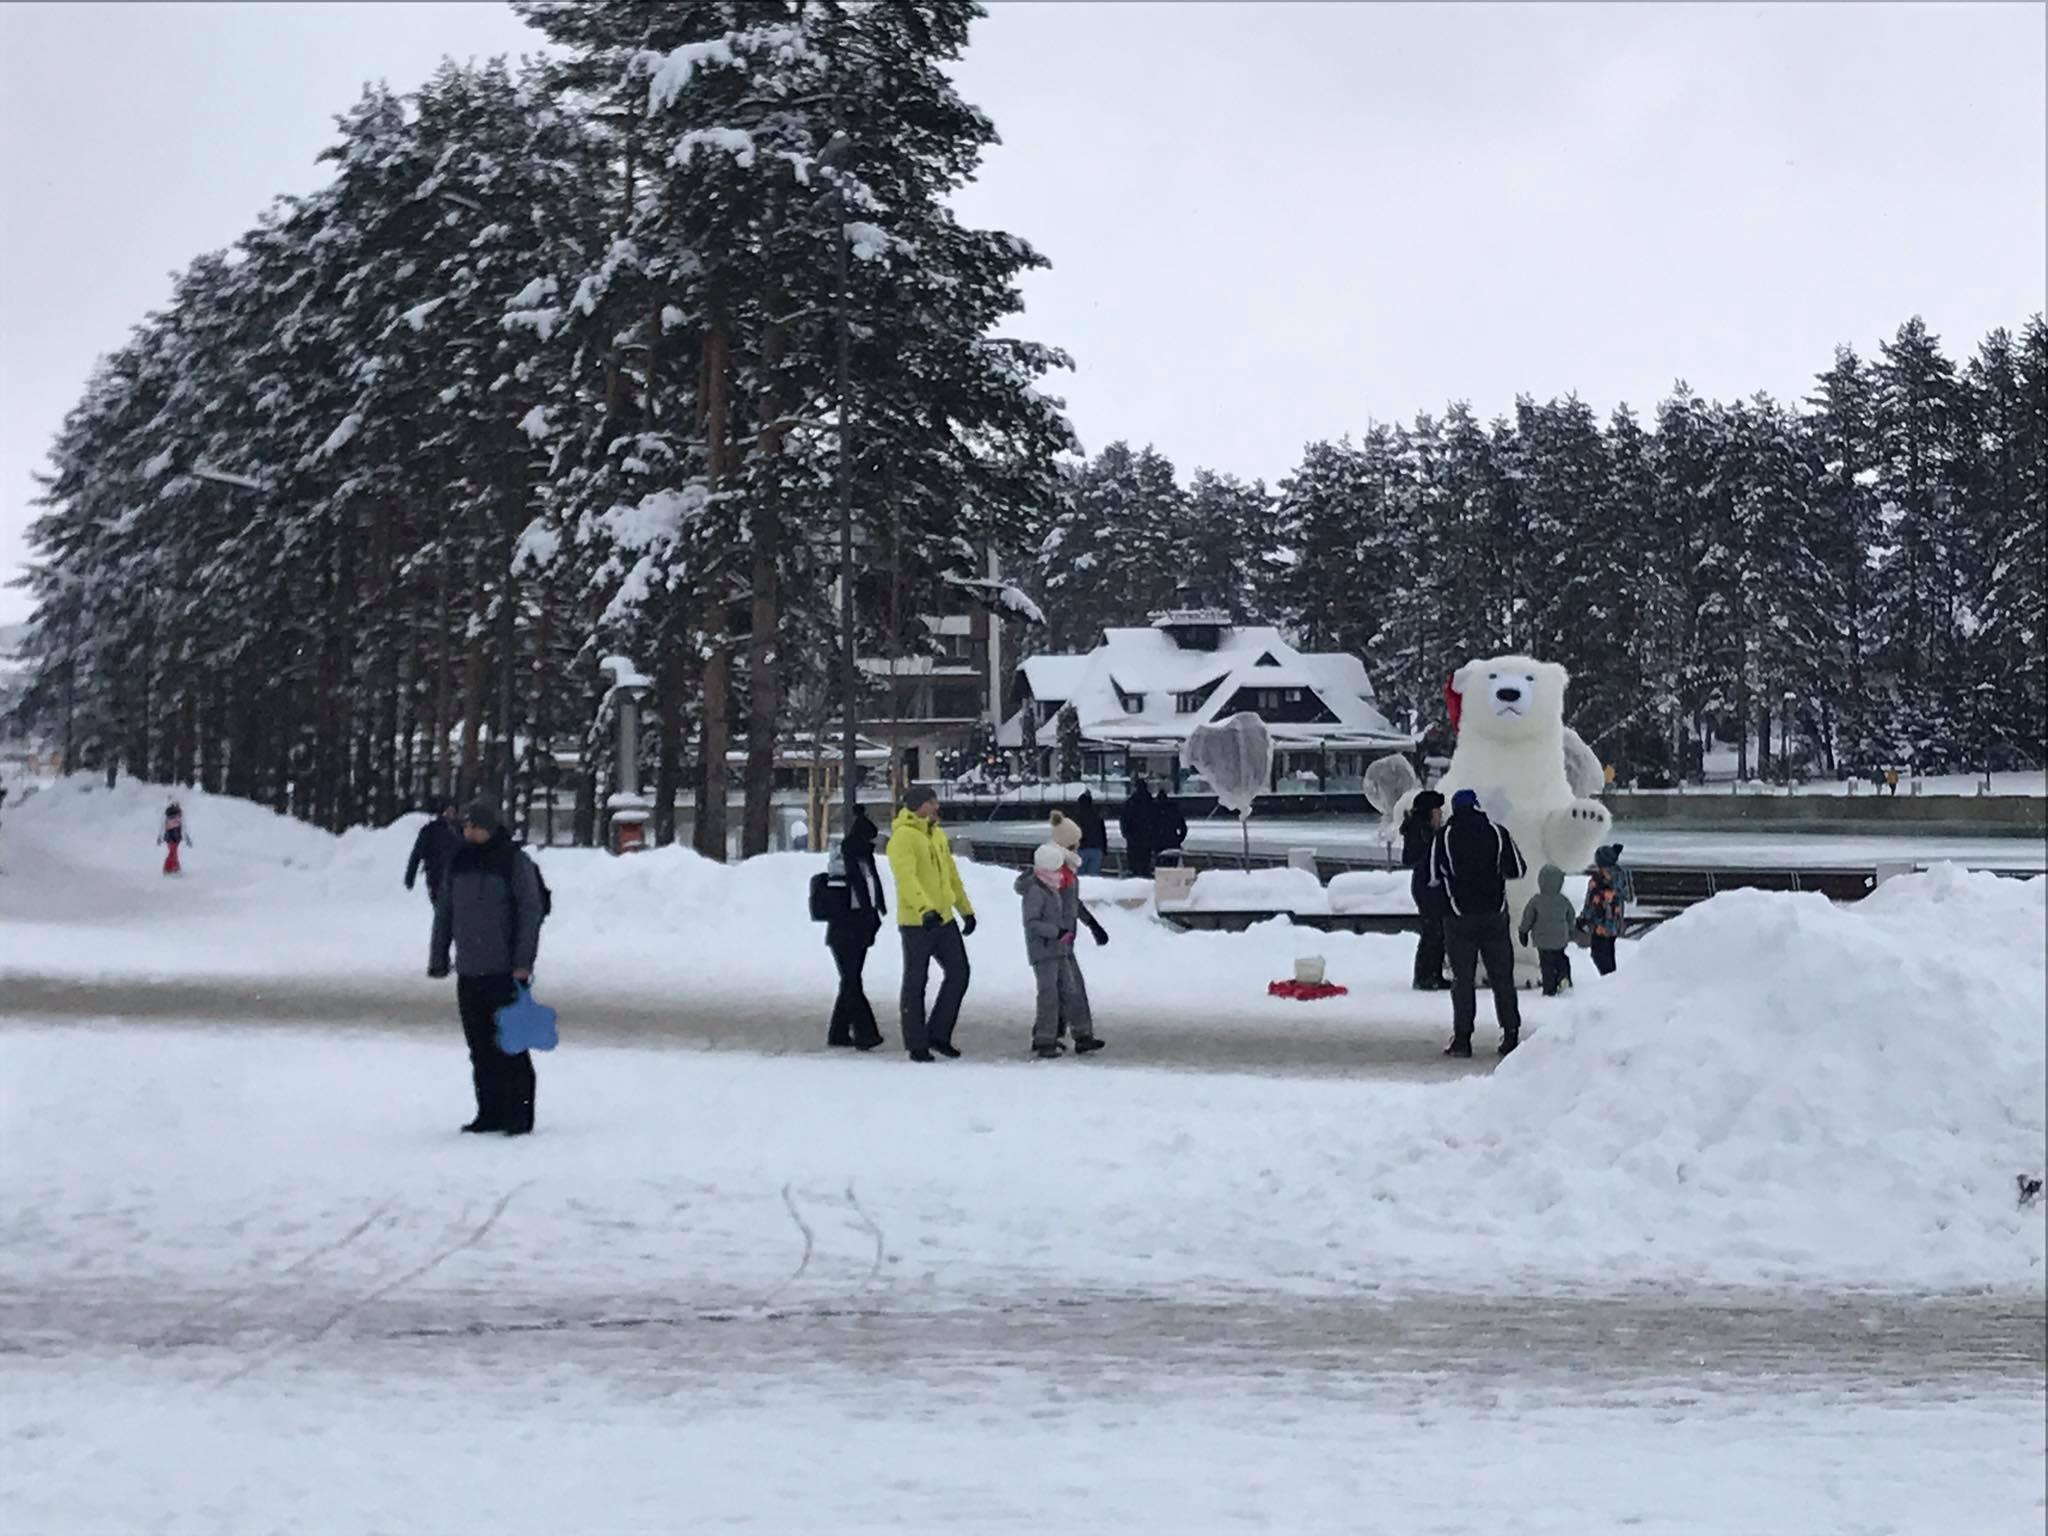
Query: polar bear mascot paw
1531	772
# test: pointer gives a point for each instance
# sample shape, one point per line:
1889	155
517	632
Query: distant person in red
171	835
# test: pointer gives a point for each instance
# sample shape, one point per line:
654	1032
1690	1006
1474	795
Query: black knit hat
482	812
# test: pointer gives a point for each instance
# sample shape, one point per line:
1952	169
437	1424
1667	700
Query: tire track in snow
439	1257
869	1225
181	1334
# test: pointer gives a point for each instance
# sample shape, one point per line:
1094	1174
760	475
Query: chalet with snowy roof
1141	691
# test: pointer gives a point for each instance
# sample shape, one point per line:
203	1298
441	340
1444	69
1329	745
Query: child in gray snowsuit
1052	914
1547	922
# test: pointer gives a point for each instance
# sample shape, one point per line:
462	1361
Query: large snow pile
1801	1079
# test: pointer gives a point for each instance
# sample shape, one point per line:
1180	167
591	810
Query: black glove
933	920
967	926
437	973
1101	936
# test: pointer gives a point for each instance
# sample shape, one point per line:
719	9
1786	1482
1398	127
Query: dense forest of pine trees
549	371
1848	572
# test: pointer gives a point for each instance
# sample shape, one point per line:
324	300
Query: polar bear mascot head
1510	700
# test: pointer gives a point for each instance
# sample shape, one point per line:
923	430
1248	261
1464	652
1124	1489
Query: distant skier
434	849
171	835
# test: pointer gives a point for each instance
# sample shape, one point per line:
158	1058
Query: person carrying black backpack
1471	862
853	907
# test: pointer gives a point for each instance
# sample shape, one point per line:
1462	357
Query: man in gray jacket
490	909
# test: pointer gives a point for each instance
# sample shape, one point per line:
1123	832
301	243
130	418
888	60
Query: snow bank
1796	1083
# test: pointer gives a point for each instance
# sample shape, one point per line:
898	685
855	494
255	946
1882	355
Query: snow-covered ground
1731	1244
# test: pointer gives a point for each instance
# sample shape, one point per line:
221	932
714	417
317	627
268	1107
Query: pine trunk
764	660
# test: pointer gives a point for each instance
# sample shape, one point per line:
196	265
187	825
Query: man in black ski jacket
490	909
1471	862
434	847
1140	827
1169	823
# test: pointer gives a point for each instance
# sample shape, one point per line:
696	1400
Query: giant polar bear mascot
1532	773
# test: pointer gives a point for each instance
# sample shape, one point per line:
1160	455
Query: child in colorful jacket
1607	893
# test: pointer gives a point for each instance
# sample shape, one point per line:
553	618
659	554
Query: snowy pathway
252	1281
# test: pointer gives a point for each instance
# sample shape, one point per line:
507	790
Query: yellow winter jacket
927	880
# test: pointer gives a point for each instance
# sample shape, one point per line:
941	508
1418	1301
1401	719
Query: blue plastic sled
524	1025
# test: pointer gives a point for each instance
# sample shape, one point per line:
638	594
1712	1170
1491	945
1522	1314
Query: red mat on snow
1302	992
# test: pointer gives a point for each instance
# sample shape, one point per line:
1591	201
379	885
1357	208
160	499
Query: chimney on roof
1193	622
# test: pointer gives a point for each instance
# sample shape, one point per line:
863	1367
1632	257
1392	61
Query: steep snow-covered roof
1132	687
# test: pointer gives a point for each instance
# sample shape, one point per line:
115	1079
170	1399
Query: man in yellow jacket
929	896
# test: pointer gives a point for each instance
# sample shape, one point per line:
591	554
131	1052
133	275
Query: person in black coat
1094	844
1418	830
1140	827
1471	861
434	849
1168	822
851	934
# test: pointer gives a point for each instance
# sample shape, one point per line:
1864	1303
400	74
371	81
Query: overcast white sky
1269	223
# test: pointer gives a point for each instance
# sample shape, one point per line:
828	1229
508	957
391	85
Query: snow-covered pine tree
2006	529
1679	538
1107	558
1920	423
772	133
1841	420
1224	540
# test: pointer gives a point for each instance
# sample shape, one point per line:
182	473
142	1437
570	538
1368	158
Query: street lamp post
1984	692
833	158
1785	741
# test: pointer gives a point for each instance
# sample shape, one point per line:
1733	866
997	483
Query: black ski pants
853	1020
1429	943
504	1084
921	946
1469	940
